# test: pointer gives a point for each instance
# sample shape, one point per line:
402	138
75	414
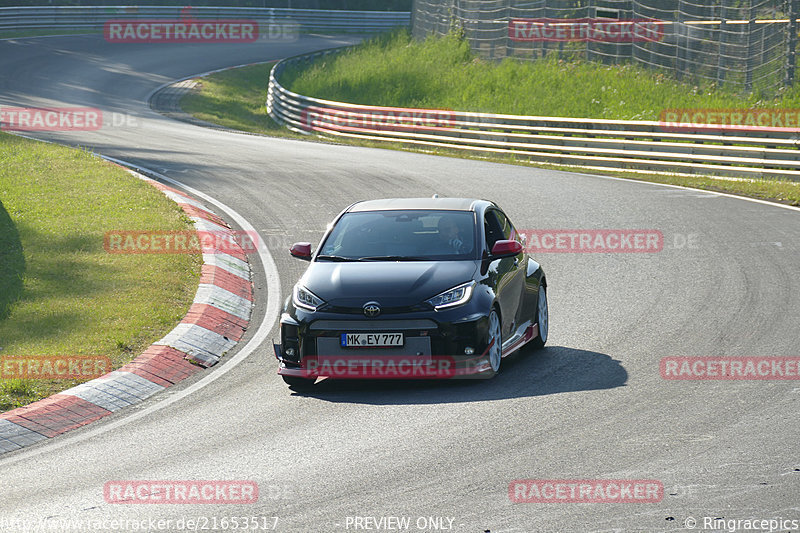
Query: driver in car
449	236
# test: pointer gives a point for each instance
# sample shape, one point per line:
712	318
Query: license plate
371	340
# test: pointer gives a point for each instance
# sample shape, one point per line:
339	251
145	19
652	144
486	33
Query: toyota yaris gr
412	288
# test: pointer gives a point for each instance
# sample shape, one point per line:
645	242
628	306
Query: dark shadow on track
554	370
12	262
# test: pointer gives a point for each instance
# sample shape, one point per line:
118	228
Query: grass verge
394	70
61	294
235	99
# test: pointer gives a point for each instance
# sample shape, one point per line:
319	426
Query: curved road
592	405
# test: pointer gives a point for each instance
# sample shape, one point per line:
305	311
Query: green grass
394	70
60	292
235	99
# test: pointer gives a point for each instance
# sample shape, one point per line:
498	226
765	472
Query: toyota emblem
372	309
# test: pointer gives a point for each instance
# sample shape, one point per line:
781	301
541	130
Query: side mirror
301	250
505	249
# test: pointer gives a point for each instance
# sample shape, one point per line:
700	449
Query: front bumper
432	349
378	366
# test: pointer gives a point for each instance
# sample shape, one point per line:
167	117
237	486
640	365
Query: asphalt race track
592	405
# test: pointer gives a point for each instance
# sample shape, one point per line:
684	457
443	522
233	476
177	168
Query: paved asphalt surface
592	405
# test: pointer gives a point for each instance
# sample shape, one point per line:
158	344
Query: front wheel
542	318
495	341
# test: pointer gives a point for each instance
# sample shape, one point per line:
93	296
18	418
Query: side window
493	227
497	227
506	228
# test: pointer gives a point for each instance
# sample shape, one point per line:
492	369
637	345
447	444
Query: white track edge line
271	315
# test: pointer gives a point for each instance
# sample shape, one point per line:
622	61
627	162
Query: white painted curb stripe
201	224
13	436
224	300
115	390
231	264
120	389
199	343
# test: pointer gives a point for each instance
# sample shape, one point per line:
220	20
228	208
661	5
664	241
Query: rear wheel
495	341
542	318
298	384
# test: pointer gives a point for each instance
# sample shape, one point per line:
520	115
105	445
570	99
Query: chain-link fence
744	45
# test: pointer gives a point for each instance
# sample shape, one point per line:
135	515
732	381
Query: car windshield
402	235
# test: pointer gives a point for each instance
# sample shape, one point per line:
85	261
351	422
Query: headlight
305	299
452	297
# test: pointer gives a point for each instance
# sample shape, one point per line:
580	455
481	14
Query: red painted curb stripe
162	187
194	211
158	364
236	252
214	319
55	415
220	277
162	365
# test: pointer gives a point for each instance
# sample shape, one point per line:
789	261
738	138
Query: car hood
390	283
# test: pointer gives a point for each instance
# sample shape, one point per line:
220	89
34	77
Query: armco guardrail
588	143
94	17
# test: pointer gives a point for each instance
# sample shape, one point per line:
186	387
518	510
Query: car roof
447	204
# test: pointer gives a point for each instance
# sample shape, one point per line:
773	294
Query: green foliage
395	70
233	98
61	293
359	5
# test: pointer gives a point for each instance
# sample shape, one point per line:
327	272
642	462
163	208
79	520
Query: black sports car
412	288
